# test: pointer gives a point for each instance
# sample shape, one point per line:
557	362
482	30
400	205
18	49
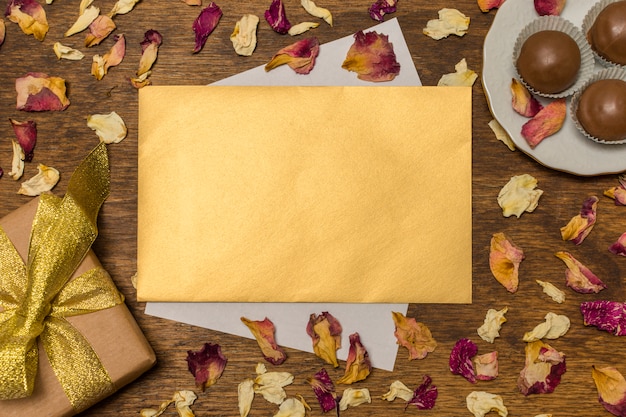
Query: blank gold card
305	194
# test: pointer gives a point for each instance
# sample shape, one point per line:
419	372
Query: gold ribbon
36	297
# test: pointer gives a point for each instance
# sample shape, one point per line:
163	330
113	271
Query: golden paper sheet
305	194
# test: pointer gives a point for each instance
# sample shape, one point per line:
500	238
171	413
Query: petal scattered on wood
30	16
83	21
277	18
414	336
492	324
523	101
42	182
353	397
504	260
380	8
206	364
182	400
66	52
358	365
543	369
486	5
204	25
554	326
99	30
301	28
291	407
486	366
244	35
581	225
149	50
462	77
519	195
619	246
546	122
460	361
263	331
37	91
270	384
101	64
481	403
245	396
450	22
26	135
17	163
299	56
314	10
609	316
122	7
552	291
110	127
611	387
618	193
578	277
325	333
501	134
324	390
398	390
372	57
425	395
3	30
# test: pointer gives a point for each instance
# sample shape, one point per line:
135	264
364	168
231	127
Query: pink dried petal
549	7
324	390
380	8
578	277
358	365
325	332
581	225
424	395
546	122
37	91
299	56
609	316
486	5
461	359
543	369
619	247
618	193
523	101
504	260
99	30
277	18
149	50
30	16
263	331
486	366
372	57
101	64
205	23
414	336
206	365
611	387
26	134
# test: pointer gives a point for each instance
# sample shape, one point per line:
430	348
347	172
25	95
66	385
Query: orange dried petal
578	277
611	387
3	29
358	365
581	225
523	101
546	122
263	332
414	336
30	16
325	332
504	260
486	5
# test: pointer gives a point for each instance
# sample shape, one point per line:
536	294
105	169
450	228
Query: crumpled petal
504	260
245	396
17	163
324	390
301	28
99	30
372	57
204	25
481	403
206	365
101	64
42	182
486	5
299	56
277	18
549	7
291	407
609	316
519	195
398	390
619	246
523	101
122	7
66	52
141	81
414	336
110	127
183	400
462	76
271	384
353	397
611	387
380	8
325	332
30	16
424	395
263	331
486	366
543	369
152	39
37	91
581	225
26	135
84	20
555	326
578	277
618	193
552	291
460	362
244	35
501	134
546	122
450	22
314	10
492	324
358	365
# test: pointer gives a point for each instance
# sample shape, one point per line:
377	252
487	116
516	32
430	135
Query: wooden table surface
64	139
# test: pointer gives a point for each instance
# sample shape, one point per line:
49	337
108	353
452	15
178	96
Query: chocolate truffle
549	61
607	35
602	109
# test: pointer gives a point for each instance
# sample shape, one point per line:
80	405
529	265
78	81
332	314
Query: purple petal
205	23
277	18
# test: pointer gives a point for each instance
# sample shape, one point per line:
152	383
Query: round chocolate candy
549	61
602	109
607	35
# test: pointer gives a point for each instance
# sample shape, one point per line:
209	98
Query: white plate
567	150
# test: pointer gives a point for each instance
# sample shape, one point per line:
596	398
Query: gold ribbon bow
36	297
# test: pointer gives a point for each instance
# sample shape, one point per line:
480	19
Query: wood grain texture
64	139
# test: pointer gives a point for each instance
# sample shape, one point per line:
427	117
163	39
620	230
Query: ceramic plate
568	150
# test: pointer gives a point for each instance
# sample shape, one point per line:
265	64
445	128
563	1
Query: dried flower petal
424	395
101	64
462	76
38	92
42	182
552	291
358	365
578	277
26	134
291	407
301	28
314	10
523	101
619	246
501	134
461	359
486	5
277	18
325	332
618	193
183	401
84	20
611	387
546	122
414	336
123	7
17	164
380	8
372	57
205	23
270	384
481	403
299	56
30	16
504	260
263	331
245	395
543	369
486	366
152	39
519	195
3	30
353	397
244	35
609	316
206	365
492	324
141	81
450	22
549	7
555	326
398	390
65	52
324	390
99	29
110	128
581	225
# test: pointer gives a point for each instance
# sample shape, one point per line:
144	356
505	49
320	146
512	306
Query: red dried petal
543	369
26	134
205	23
461	359
372	57
549	7
546	122
619	247
38	92
380	8
299	56
324	390
358	365
277	18
263	331
325	332
424	395
609	316
206	365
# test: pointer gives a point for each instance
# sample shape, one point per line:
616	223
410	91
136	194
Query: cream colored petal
43	181
272	393
281	379
501	134
353	397
65	52
492	324
245	395
519	195
481	403
83	21
123	7
463	76
314	10
244	35
183	401
17	164
83	5
142	80
153	412
398	390
450	22
291	407
110	128
555	326
552	291
300	28
260	368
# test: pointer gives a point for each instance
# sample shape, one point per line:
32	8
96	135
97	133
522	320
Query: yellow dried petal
353	397
244	35
65	52
552	291
555	326
33	23
123	7
519	195
611	387
317	11
450	22
481	403
110	128
245	395
501	134
398	390
523	101
504	260
42	182
413	335
492	324
83	21
17	164
463	77
301	28
182	401
291	407
581	225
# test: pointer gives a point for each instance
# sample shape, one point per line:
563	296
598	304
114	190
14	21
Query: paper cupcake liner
557	23
603	74
588	20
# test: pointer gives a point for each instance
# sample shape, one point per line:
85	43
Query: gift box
66	342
